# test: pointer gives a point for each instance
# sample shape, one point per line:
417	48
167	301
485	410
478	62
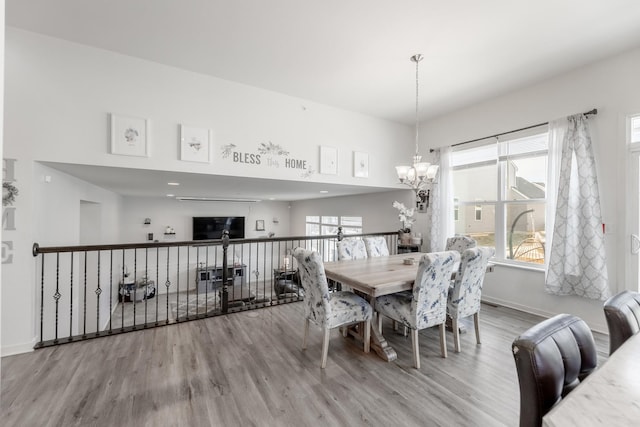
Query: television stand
209	279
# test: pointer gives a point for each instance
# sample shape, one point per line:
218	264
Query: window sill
519	266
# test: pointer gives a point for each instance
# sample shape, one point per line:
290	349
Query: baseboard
11	350
532	310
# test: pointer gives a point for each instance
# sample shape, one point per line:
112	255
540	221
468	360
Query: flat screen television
211	227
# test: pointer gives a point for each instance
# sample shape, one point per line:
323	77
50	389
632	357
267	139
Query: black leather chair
622	312
551	359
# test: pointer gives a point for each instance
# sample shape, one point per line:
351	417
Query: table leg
461	328
380	345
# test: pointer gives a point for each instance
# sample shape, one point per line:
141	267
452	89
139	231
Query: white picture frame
328	160
360	164
129	136
195	144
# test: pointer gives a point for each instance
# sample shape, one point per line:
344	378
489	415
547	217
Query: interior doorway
90	223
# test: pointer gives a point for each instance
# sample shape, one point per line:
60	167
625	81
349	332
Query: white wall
57	102
611	86
165	212
1	138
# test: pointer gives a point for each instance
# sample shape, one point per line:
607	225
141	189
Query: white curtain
577	261
441	223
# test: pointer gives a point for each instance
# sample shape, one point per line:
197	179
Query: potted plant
406	218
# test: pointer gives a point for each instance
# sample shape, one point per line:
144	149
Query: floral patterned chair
328	310
460	243
464	295
351	248
427	306
376	246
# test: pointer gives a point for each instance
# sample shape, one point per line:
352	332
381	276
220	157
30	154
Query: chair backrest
429	303
351	248
460	243
622	312
464	298
376	246
314	283
551	359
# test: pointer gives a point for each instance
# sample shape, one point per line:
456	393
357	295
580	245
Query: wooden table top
609	396
376	276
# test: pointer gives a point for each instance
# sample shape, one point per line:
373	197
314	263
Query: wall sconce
147	221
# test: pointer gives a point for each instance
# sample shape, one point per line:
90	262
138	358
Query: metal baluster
98	292
157	282
167	284
225	273
42	302
178	285
71	301
57	295
110	289
84	304
135	285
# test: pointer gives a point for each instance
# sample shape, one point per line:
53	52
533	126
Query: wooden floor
248	369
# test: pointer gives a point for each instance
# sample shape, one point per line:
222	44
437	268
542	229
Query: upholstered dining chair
622	312
464	295
328	310
376	246
347	249
351	248
427	305
460	243
551	358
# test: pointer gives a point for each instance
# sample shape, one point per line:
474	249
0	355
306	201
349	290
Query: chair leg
456	334
367	336
404	333
476	325
325	348
443	340
415	348
306	334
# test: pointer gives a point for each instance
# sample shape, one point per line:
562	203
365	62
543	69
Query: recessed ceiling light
272	198
173	183
170	195
324	191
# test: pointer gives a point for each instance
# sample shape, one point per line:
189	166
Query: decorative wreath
9	193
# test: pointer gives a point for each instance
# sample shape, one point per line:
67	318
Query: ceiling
154	183
352	54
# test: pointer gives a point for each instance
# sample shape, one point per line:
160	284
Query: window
456	210
478	212
328	226
500	196
635	129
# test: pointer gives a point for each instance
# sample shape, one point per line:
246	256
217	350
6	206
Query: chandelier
420	174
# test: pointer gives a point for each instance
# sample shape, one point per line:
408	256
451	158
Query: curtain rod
591	112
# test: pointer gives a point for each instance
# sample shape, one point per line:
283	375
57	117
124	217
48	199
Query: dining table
610	396
376	276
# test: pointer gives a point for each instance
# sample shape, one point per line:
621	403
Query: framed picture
260	225
194	144
328	160
360	164
129	136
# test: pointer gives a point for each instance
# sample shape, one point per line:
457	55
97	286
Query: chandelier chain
418	58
